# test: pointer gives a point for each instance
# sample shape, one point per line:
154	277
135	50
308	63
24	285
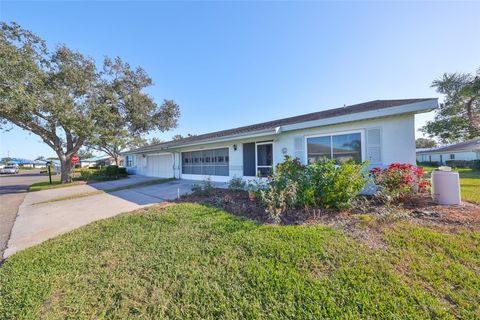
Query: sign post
75	159
49	165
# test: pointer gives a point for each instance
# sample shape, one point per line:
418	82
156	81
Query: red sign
75	159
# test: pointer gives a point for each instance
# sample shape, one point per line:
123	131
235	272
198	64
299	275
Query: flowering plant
401	180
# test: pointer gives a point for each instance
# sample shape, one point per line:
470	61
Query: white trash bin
446	187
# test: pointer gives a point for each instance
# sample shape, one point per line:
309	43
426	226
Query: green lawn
469	184
44	185
194	262
92	193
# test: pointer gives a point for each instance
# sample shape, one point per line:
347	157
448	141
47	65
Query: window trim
337	133
256	156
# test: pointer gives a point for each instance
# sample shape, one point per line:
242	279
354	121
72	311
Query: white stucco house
468	150
381	131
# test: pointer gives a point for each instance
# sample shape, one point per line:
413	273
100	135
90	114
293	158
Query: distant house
26	163
381	131
99	161
468	150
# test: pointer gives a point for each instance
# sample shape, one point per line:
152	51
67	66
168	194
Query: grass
45	185
92	193
469	184
194	262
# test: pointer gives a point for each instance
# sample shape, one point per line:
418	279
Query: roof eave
418	107
256	134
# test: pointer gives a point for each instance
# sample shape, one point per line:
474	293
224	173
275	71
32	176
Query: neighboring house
26	163
99	161
381	131
468	150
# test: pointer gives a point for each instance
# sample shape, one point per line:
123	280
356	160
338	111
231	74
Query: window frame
256	156
129	161
337	133
202	163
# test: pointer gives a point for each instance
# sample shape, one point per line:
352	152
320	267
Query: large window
341	147
213	162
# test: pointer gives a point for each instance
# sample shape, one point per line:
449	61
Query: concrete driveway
13	188
36	223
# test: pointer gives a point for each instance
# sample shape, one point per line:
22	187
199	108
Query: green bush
458	163
322	184
103	174
204	189
428	164
111	170
237	184
475	165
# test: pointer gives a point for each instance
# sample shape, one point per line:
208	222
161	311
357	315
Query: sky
229	64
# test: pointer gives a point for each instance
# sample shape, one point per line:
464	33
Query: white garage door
160	166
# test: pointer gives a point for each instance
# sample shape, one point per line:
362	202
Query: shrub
475	165
334	186
322	184
111	170
278	199
428	164
107	173
204	189
400	181
458	163
237	184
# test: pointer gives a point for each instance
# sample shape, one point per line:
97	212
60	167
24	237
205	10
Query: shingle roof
330	113
462	146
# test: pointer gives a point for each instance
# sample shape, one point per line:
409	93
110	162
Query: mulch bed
365	224
422	210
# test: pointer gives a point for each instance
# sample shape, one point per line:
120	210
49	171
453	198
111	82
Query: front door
264	158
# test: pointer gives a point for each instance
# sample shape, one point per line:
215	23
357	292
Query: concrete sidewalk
36	223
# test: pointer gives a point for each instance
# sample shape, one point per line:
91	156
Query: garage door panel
160	166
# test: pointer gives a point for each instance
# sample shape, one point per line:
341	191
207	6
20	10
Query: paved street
12	192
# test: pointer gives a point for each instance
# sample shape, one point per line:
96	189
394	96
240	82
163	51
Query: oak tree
67	101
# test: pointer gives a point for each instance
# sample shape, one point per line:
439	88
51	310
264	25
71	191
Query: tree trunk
66	169
116	160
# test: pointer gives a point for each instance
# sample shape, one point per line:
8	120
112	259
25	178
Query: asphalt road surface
13	188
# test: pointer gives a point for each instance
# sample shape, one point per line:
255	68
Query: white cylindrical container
446	187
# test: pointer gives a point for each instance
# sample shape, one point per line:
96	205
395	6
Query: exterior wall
397	138
464	155
397	145
235	158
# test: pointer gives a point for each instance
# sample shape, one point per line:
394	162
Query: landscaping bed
422	209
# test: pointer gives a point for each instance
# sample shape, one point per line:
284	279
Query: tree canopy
425	143
63	97
458	117
180	137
